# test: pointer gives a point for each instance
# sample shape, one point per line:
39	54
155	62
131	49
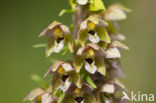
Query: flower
62	77
92	29
58	34
80	95
116	12
65	83
92	57
39	95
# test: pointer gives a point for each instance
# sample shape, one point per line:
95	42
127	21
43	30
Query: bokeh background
21	21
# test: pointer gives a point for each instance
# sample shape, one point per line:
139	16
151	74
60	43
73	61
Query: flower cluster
91	76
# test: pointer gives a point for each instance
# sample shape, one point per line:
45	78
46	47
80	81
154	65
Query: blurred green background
21	21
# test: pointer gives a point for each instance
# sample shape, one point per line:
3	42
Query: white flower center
93	37
59	43
65	83
90	66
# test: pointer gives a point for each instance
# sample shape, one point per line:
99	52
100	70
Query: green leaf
96	5
90	82
40	81
61	97
102	33
63	11
39	45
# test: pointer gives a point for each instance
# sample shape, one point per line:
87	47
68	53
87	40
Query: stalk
91	76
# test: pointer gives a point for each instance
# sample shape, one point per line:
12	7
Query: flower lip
64	78
89	60
79	99
60	39
91	32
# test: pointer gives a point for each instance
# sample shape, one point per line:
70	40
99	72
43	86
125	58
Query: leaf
103	34
63	11
61	97
90	82
39	45
96	5
40	81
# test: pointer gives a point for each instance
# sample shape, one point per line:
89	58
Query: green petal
49	48
102	70
89	98
79	81
101	67
111	28
70	41
103	44
78	63
82	37
55	84
96	5
90	82
102	33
